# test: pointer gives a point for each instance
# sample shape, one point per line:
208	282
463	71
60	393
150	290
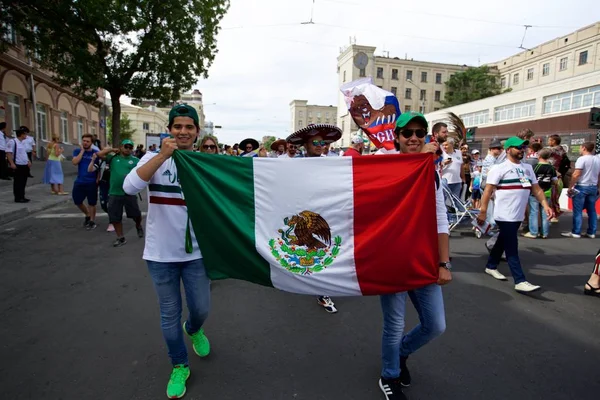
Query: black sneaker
391	388
91	225
119	242
86	222
404	372
140	232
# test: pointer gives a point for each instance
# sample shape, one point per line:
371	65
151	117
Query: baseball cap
515	142
495	144
126	141
183	110
475	151
357	139
408	116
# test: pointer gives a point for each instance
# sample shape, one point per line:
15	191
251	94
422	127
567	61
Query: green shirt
119	168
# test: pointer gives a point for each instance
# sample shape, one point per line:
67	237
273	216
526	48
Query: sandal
592	291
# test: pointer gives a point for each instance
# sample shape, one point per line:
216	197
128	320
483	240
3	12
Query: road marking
72	215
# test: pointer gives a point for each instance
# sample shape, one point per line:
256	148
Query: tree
126	130
470	85
269	142
139	48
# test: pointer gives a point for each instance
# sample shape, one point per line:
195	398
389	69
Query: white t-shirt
167	213
513	186
451	172
29	143
2	141
590	168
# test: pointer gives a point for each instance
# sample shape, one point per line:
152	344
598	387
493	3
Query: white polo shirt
21	157
2	141
590	168
513	185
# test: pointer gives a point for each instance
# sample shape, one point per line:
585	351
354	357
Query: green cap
515	142
126	141
408	116
183	110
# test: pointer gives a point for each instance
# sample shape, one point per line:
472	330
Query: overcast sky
267	58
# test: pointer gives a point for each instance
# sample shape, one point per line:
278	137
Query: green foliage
139	48
470	85
126	130
269	142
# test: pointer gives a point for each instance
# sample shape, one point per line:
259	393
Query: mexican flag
337	226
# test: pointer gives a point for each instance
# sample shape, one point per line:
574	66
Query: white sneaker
495	274
110	228
571	235
526	287
588	236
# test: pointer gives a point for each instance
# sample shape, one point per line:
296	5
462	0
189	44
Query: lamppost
421	98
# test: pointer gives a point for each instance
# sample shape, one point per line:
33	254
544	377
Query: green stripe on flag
219	193
153	187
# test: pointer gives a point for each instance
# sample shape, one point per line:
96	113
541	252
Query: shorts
82	191
116	204
476	195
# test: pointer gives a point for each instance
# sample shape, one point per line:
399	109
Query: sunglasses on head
318	143
209	146
408	133
128	146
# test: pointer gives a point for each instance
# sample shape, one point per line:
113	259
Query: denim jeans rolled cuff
429	303
508	243
167	279
585	200
534	211
393	307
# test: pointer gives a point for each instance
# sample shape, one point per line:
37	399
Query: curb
15	215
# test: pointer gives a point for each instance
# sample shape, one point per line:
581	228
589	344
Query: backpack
564	166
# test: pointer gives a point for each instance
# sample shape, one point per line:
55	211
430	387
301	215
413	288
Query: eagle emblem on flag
304	246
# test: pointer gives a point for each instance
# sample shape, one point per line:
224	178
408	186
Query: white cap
475	151
356	139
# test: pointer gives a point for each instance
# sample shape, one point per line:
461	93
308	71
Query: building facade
145	121
29	96
418	85
558	103
303	114
194	99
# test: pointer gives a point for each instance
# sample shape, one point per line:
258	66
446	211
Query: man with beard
440	132
315	138
513	182
85	186
291	151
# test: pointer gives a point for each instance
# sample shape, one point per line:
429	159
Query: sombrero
330	133
251	141
277	143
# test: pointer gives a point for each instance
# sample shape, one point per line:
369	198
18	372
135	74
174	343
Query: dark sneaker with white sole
119	242
404	373
140	232
391	388
91	225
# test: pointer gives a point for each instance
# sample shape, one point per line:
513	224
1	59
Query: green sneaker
176	385
200	342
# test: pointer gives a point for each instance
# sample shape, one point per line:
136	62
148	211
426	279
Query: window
509	112
310	114
64	126
318	114
42	121
10	35
146	126
546	69
406	108
394	90
301	114
437	95
300	123
438	78
380	72
343	125
436	108
79	128
422	109
362	73
423	94
344	76
583	57
530	74
395	74
503	82
563	64
408	93
583	98
423	76
327	115
476	118
409	75
515	79
93	131
14	105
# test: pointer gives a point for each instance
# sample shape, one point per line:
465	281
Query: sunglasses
249	148
292	147
318	143
128	147
408	133
521	147
209	146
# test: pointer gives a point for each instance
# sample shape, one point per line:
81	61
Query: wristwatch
446	265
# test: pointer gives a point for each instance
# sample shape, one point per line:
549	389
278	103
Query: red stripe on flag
395	226
167	200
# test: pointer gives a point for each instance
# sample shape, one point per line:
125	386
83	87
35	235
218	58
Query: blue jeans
585	199
507	243
534	212
429	303
167	278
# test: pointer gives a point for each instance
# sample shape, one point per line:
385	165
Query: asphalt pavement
80	321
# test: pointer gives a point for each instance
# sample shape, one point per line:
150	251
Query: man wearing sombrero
314	138
278	148
249	147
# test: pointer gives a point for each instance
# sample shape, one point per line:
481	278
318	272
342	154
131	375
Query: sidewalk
38	193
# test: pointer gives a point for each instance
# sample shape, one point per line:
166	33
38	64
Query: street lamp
422	99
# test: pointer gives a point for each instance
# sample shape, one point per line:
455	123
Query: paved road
80	321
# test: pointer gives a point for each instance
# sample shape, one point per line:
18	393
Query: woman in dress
53	174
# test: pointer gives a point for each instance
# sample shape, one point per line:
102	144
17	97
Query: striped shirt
513	185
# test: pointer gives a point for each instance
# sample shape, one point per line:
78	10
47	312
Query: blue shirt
83	176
